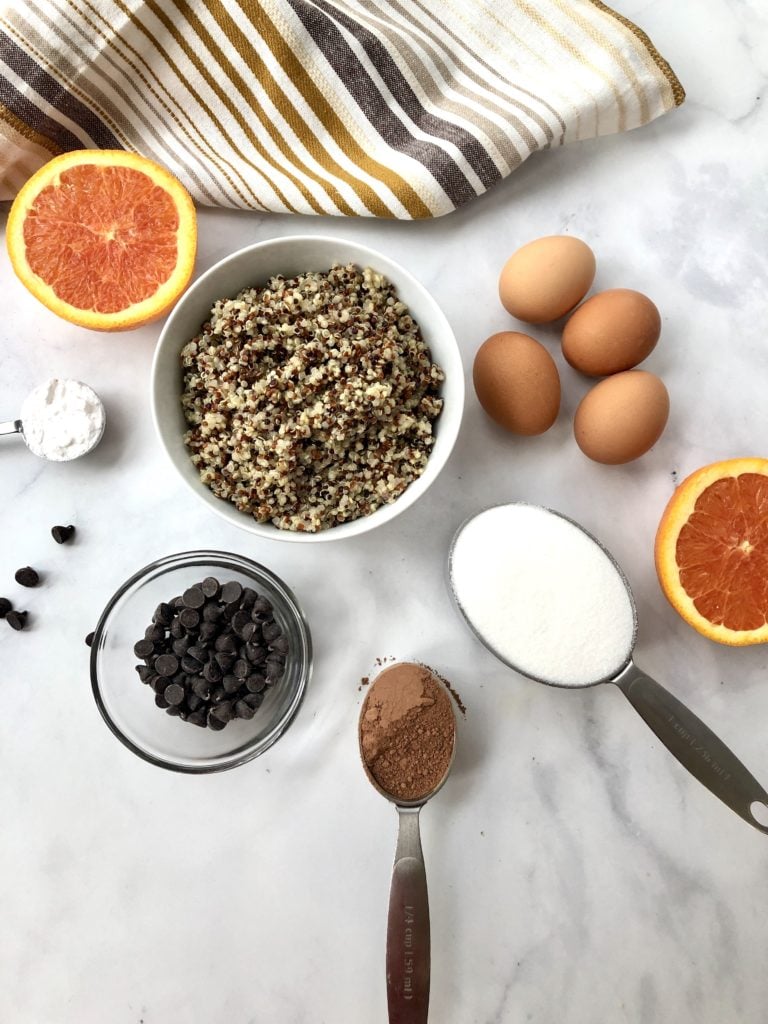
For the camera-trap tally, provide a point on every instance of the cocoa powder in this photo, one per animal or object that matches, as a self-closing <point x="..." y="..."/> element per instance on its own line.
<point x="407" y="731"/>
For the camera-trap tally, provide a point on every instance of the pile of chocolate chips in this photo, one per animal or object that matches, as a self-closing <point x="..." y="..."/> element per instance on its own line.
<point x="211" y="653"/>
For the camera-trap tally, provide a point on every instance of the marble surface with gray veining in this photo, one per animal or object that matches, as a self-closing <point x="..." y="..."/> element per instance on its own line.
<point x="578" y="875"/>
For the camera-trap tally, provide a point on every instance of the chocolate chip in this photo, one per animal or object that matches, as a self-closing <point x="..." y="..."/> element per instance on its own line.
<point x="210" y="586"/>
<point x="250" y="631"/>
<point x="163" y="614"/>
<point x="198" y="718"/>
<point x="224" y="712"/>
<point x="191" y="664"/>
<point x="176" y="629"/>
<point x="254" y="700"/>
<point x="189" y="618"/>
<point x="270" y="631"/>
<point x="154" y="633"/>
<point x="5" y="607"/>
<point x="226" y="643"/>
<point x="193" y="597"/>
<point x="174" y="693"/>
<point x="255" y="654"/>
<point x="212" y="612"/>
<point x="249" y="598"/>
<point x="161" y="701"/>
<point x="262" y="606"/>
<point x="173" y="710"/>
<point x="225" y="661"/>
<point x="16" y="620"/>
<point x="201" y="688"/>
<point x="89" y="639"/>
<point x="231" y="684"/>
<point x="166" y="665"/>
<point x="27" y="576"/>
<point x="208" y="630"/>
<point x="255" y="683"/>
<point x="213" y="672"/>
<point x="244" y="711"/>
<point x="241" y="668"/>
<point x="181" y="646"/>
<point x="143" y="648"/>
<point x="280" y="645"/>
<point x="231" y="592"/>
<point x="61" y="534"/>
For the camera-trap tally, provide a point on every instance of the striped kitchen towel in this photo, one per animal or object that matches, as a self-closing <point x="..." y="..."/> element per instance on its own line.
<point x="384" y="108"/>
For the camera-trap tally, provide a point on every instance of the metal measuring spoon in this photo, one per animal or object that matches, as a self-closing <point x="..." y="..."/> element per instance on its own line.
<point x="408" y="932"/>
<point x="687" y="738"/>
<point x="45" y="409"/>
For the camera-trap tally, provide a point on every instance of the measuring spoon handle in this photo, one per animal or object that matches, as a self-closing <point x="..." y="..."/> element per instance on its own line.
<point x="694" y="744"/>
<point x="10" y="427"/>
<point x="408" y="954"/>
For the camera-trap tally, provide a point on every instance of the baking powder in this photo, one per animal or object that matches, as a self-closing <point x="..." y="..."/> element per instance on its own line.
<point x="543" y="595"/>
<point x="62" y="419"/>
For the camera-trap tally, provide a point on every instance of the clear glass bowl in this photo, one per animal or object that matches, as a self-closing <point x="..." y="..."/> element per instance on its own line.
<point x="127" y="705"/>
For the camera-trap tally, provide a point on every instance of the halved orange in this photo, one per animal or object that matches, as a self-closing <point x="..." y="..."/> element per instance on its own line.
<point x="712" y="551"/>
<point x="104" y="238"/>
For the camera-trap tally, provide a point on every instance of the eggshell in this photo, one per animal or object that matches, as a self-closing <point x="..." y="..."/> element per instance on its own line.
<point x="612" y="331"/>
<point x="546" y="278"/>
<point x="621" y="417"/>
<point x="517" y="382"/>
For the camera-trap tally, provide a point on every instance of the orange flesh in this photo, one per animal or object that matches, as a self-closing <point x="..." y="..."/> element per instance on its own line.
<point x="722" y="552"/>
<point x="103" y="238"/>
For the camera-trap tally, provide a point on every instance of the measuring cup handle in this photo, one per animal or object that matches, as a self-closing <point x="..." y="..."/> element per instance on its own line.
<point x="408" y="954"/>
<point x="694" y="744"/>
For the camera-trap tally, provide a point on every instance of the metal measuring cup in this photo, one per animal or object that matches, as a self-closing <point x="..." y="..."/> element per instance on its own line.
<point x="686" y="737"/>
<point x="408" y="960"/>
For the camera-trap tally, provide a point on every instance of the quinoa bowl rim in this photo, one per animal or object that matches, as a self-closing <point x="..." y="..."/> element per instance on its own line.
<point x="292" y="255"/>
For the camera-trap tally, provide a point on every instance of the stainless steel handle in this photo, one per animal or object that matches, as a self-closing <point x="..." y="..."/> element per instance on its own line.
<point x="11" y="427"/>
<point x="408" y="956"/>
<point x="694" y="744"/>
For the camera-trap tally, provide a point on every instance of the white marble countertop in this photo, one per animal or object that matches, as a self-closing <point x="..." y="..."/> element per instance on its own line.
<point x="578" y="875"/>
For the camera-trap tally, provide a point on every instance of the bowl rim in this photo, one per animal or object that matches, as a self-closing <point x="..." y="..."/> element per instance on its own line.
<point x="179" y="560"/>
<point x="385" y="513"/>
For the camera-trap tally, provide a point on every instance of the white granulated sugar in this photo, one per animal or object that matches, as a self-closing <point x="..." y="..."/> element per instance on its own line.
<point x="62" y="419"/>
<point x="543" y="595"/>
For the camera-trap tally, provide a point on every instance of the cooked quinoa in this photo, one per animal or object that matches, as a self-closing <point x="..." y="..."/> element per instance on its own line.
<point x="310" y="401"/>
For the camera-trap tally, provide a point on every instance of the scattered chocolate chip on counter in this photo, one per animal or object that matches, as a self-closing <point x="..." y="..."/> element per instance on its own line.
<point x="16" y="620"/>
<point x="27" y="577"/>
<point x="212" y="653"/>
<point x="5" y="607"/>
<point x="89" y="639"/>
<point x="62" y="534"/>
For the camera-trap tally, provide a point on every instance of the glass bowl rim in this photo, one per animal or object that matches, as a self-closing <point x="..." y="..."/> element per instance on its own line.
<point x="249" y="567"/>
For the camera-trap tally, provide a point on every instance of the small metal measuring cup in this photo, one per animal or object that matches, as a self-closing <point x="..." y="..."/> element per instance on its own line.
<point x="408" y="931"/>
<point x="686" y="737"/>
<point x="17" y="427"/>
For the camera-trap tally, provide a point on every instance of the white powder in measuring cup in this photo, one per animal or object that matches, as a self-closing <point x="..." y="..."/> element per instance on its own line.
<point x="543" y="595"/>
<point x="62" y="419"/>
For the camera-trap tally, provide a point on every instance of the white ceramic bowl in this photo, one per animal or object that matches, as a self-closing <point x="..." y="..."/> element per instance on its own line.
<point x="289" y="256"/>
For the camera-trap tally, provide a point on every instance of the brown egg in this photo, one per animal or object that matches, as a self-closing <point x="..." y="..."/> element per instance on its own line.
<point x="517" y="382"/>
<point x="621" y="417"/>
<point x="611" y="332"/>
<point x="546" y="278"/>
